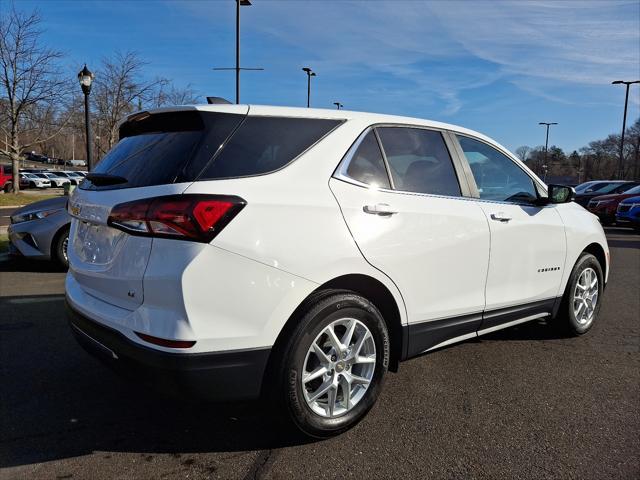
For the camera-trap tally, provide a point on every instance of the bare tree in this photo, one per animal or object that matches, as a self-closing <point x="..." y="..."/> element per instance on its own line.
<point x="31" y="87"/>
<point x="523" y="152"/>
<point x="120" y="89"/>
<point x="168" y="94"/>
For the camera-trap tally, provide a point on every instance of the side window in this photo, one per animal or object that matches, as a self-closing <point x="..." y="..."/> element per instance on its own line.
<point x="367" y="165"/>
<point x="497" y="176"/>
<point x="419" y="161"/>
<point x="265" y="144"/>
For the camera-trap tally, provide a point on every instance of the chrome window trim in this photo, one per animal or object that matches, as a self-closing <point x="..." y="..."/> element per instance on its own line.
<point x="458" y="166"/>
<point x="350" y="180"/>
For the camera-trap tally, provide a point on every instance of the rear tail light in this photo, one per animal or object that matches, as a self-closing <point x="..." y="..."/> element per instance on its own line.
<point x="184" y="217"/>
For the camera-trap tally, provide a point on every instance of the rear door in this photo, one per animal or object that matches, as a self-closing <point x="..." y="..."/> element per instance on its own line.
<point x="405" y="209"/>
<point x="528" y="244"/>
<point x="158" y="154"/>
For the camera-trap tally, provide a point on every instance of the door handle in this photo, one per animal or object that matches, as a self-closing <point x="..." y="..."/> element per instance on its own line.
<point x="381" y="209"/>
<point x="500" y="217"/>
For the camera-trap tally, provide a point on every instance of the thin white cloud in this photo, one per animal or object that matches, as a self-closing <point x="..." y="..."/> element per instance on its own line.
<point x="576" y="42"/>
<point x="443" y="49"/>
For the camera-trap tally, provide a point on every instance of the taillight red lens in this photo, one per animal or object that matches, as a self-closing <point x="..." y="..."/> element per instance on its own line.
<point x="184" y="217"/>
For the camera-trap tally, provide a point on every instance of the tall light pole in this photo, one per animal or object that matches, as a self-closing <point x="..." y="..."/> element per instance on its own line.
<point x="338" y="105"/>
<point x="546" y="146"/>
<point x="310" y="74"/>
<point x="624" y="125"/>
<point x="85" y="77"/>
<point x="237" y="68"/>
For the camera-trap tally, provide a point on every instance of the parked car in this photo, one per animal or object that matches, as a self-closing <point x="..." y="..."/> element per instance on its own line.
<point x="73" y="178"/>
<point x="56" y="180"/>
<point x="611" y="187"/>
<point x="40" y="230"/>
<point x="628" y="212"/>
<point x="78" y="163"/>
<point x="592" y="184"/>
<point x="313" y="252"/>
<point x="29" y="180"/>
<point x="605" y="206"/>
<point x="6" y="178"/>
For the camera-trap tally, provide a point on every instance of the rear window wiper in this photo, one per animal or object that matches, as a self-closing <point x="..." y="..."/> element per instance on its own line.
<point x="101" y="179"/>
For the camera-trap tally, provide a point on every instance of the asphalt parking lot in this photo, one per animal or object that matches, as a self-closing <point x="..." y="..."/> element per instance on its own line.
<point x="521" y="403"/>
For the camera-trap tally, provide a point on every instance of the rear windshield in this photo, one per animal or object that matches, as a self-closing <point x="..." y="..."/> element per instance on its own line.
<point x="187" y="146"/>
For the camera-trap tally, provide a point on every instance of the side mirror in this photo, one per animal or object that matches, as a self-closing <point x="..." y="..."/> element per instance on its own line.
<point x="560" y="193"/>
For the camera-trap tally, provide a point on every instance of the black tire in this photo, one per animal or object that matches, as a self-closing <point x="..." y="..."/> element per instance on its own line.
<point x="566" y="316"/>
<point x="32" y="185"/>
<point x="8" y="187"/>
<point x="58" y="251"/>
<point x="318" y="313"/>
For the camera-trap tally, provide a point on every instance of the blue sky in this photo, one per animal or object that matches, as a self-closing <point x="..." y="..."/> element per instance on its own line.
<point x="499" y="67"/>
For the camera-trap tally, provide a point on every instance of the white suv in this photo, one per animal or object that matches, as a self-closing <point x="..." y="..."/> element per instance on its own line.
<point x="234" y="251"/>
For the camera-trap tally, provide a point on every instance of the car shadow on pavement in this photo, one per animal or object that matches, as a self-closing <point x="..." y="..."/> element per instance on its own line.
<point x="543" y="329"/>
<point x="20" y="264"/>
<point x="56" y="401"/>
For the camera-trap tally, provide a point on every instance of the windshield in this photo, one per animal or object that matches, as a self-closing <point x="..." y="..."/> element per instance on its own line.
<point x="604" y="189"/>
<point x="635" y="190"/>
<point x="584" y="186"/>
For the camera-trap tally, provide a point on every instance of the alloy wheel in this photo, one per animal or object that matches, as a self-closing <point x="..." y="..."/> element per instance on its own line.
<point x="339" y="367"/>
<point x="585" y="296"/>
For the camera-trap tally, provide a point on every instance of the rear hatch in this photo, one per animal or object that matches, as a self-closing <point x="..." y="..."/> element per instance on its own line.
<point x="137" y="191"/>
<point x="158" y="154"/>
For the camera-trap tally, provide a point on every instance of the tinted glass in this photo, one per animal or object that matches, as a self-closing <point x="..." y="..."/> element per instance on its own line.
<point x="264" y="144"/>
<point x="419" y="161"/>
<point x="624" y="188"/>
<point x="633" y="191"/>
<point x="165" y="148"/>
<point x="367" y="165"/>
<point x="597" y="187"/>
<point x="497" y="176"/>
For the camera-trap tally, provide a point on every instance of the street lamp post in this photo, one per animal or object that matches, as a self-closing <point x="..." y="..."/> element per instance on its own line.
<point x="310" y="74"/>
<point x="624" y="125"/>
<point x="546" y="146"/>
<point x="338" y="105"/>
<point x="85" y="77"/>
<point x="237" y="68"/>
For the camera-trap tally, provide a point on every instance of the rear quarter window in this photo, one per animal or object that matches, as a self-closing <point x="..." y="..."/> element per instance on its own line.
<point x="265" y="144"/>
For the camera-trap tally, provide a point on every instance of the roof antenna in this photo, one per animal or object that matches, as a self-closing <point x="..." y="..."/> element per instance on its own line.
<point x="218" y="101"/>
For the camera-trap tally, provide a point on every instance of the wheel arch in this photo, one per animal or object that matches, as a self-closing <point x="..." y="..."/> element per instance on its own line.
<point x="56" y="237"/>
<point x="598" y="251"/>
<point x="370" y="288"/>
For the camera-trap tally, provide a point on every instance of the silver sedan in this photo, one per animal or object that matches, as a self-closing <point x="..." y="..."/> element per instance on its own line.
<point x="40" y="230"/>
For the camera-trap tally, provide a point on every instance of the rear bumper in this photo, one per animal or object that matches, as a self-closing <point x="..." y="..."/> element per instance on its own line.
<point x="220" y="376"/>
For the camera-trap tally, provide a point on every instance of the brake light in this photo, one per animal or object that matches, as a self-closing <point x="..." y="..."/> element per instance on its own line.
<point x="184" y="217"/>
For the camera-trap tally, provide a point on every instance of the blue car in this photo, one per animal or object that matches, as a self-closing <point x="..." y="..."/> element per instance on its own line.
<point x="628" y="213"/>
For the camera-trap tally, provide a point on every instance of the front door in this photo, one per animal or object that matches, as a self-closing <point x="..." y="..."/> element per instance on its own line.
<point x="528" y="245"/>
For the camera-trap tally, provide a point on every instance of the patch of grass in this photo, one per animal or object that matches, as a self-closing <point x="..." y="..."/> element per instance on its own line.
<point x="4" y="243"/>
<point x="10" y="199"/>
